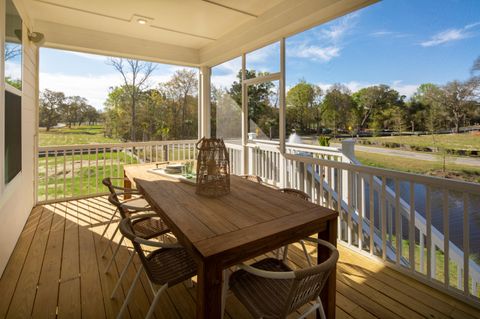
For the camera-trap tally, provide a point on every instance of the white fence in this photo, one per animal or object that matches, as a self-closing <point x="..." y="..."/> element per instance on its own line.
<point x="382" y="213"/>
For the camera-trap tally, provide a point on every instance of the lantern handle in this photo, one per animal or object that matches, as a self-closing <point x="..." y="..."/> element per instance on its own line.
<point x="198" y="142"/>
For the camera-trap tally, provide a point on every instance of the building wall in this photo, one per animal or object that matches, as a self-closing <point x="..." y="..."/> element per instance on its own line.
<point x="17" y="198"/>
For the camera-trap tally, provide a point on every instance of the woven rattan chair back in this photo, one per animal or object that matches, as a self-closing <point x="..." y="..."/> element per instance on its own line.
<point x="108" y="183"/>
<point x="253" y="178"/>
<point x="113" y="199"/>
<point x="295" y="192"/>
<point x="309" y="282"/>
<point x="126" y="228"/>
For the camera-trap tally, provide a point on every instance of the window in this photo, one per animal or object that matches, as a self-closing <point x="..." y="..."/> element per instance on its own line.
<point x="13" y="135"/>
<point x="13" y="96"/>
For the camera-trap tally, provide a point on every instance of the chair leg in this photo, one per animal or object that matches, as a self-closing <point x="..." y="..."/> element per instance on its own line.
<point x="110" y="263"/>
<point x="129" y="294"/>
<point x="226" y="279"/>
<point x="285" y="253"/>
<point x="124" y="271"/>
<point x="318" y="307"/>
<point x="155" y="301"/>
<point x="110" y="242"/>
<point x="309" y="260"/>
<point x="109" y="222"/>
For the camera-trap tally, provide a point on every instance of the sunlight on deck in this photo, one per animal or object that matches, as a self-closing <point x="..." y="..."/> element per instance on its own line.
<point x="57" y="269"/>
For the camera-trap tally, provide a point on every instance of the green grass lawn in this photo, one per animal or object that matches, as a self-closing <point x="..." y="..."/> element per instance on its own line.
<point x="79" y="173"/>
<point x="85" y="134"/>
<point x="462" y="172"/>
<point x="464" y="141"/>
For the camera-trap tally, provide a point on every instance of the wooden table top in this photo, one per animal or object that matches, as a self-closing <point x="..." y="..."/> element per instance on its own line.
<point x="252" y="214"/>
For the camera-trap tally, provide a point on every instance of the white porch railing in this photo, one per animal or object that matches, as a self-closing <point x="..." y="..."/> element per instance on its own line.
<point x="75" y="171"/>
<point x="417" y="224"/>
<point x="426" y="248"/>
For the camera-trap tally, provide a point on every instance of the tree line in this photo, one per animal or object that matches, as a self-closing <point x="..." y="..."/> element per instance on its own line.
<point x="337" y="110"/>
<point x="431" y="108"/>
<point x="56" y="107"/>
<point x="138" y="110"/>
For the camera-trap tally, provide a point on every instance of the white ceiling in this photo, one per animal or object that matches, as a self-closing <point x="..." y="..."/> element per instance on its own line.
<point x="188" y="23"/>
<point x="178" y="31"/>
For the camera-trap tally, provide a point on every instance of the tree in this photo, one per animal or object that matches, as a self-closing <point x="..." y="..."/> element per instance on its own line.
<point x="135" y="75"/>
<point x="303" y="106"/>
<point x="117" y="113"/>
<point x="430" y="97"/>
<point x="337" y="107"/>
<point x="371" y="101"/>
<point x="181" y="90"/>
<point x="459" y="99"/>
<point x="258" y="95"/>
<point x="91" y="114"/>
<point x="12" y="50"/>
<point x="72" y="111"/>
<point x="50" y="103"/>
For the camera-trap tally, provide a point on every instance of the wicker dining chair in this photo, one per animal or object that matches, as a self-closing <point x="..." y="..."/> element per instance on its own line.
<point x="145" y="226"/>
<point x="138" y="201"/>
<point x="165" y="267"/>
<point x="253" y="178"/>
<point x="254" y="286"/>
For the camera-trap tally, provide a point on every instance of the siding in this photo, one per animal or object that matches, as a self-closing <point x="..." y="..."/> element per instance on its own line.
<point x="17" y="200"/>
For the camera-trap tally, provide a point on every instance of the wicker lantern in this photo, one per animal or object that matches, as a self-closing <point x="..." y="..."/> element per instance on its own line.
<point x="213" y="168"/>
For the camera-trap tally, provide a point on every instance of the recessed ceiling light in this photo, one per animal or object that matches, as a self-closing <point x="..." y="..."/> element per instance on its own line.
<point x="141" y="21"/>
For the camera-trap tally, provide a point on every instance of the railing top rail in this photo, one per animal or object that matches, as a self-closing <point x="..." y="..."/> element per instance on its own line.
<point x="432" y="181"/>
<point x="109" y="145"/>
<point x="296" y="145"/>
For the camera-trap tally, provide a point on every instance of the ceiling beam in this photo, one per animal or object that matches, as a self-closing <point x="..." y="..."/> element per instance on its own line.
<point x="60" y="36"/>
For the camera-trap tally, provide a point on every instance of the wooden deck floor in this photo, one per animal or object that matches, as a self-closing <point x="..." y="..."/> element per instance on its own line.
<point x="57" y="270"/>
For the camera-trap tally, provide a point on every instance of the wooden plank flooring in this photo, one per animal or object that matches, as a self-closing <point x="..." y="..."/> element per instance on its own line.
<point x="57" y="271"/>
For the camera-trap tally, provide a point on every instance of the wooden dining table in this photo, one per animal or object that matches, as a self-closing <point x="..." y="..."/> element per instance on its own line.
<point x="251" y="220"/>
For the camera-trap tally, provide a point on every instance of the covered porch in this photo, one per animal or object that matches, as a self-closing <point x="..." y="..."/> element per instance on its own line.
<point x="398" y="258"/>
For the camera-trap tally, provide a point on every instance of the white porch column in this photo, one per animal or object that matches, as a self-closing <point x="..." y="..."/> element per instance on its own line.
<point x="204" y="113"/>
<point x="245" y="160"/>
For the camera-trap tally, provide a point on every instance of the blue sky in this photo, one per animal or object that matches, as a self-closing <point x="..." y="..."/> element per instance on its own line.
<point x="402" y="43"/>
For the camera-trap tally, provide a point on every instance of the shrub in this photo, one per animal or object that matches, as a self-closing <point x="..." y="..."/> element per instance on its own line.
<point x="324" y="140"/>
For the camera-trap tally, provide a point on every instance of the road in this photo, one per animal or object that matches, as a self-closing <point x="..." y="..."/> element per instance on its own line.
<point x="470" y="161"/>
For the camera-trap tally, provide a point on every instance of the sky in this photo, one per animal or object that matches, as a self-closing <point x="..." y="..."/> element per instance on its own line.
<point x="401" y="43"/>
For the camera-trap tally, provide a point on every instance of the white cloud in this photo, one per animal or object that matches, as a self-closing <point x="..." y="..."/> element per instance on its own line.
<point x="450" y="35"/>
<point x="13" y="70"/>
<point x="94" y="88"/>
<point x="386" y="33"/>
<point x="331" y="36"/>
<point x="335" y="31"/>
<point x="226" y="73"/>
<point x="316" y="53"/>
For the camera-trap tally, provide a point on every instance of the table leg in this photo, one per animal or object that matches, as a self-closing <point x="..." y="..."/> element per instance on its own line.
<point x="126" y="184"/>
<point x="209" y="290"/>
<point x="329" y="292"/>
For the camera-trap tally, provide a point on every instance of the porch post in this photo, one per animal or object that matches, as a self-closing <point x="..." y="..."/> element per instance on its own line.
<point x="282" y="121"/>
<point x="204" y="102"/>
<point x="245" y="150"/>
